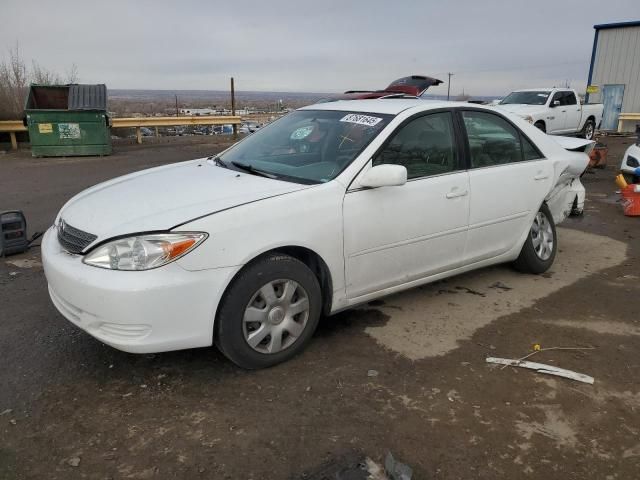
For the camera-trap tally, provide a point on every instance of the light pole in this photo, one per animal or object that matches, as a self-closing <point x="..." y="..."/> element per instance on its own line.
<point x="449" y="85"/>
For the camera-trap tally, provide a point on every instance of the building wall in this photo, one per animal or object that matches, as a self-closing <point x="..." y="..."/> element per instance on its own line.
<point x="617" y="61"/>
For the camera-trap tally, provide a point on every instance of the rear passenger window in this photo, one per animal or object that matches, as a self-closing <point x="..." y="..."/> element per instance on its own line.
<point x="425" y="146"/>
<point x="529" y="152"/>
<point x="492" y="140"/>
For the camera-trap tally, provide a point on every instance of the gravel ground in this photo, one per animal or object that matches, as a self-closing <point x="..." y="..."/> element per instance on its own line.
<point x="405" y="374"/>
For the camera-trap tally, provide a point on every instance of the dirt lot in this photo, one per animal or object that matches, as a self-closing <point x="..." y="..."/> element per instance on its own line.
<point x="406" y="374"/>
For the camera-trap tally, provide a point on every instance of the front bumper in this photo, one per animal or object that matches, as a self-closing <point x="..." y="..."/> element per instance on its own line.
<point x="157" y="310"/>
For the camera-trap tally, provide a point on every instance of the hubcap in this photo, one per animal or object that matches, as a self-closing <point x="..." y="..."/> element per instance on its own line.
<point x="542" y="236"/>
<point x="589" y="132"/>
<point x="276" y="316"/>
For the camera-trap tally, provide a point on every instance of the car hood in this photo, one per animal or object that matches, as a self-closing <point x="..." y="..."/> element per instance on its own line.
<point x="164" y="197"/>
<point x="522" y="109"/>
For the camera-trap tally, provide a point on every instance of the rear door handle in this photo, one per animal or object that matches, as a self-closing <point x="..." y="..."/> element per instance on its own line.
<point x="541" y="176"/>
<point x="456" y="193"/>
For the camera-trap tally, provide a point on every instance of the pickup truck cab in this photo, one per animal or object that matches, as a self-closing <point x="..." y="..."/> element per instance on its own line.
<point x="556" y="111"/>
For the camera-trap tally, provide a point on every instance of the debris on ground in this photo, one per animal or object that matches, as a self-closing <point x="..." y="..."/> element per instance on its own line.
<point x="74" y="461"/>
<point x="542" y="368"/>
<point x="372" y="373"/>
<point x="396" y="470"/>
<point x="500" y="286"/>
<point x="471" y="291"/>
<point x="5" y="412"/>
<point x="347" y="466"/>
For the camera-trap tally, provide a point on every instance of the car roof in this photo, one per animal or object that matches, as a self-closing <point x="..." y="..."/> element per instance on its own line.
<point x="546" y="89"/>
<point x="391" y="106"/>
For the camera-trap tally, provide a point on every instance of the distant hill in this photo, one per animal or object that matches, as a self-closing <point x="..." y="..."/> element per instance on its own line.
<point x="215" y="97"/>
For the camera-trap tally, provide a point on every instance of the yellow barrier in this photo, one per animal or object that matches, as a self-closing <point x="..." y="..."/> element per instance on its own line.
<point x="12" y="126"/>
<point x="138" y="122"/>
<point x="627" y="117"/>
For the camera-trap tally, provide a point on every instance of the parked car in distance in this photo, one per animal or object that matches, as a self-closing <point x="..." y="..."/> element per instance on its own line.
<point x="223" y="129"/>
<point x="332" y="206"/>
<point x="556" y="111"/>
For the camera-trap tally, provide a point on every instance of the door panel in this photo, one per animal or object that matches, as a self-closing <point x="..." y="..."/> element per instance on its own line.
<point x="508" y="181"/>
<point x="503" y="201"/>
<point x="612" y="96"/>
<point x="393" y="235"/>
<point x="574" y="113"/>
<point x="556" y="117"/>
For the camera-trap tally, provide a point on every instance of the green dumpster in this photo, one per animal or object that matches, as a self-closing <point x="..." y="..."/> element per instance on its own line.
<point x="68" y="120"/>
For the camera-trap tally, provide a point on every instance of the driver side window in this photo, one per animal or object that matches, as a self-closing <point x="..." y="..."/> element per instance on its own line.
<point x="425" y="146"/>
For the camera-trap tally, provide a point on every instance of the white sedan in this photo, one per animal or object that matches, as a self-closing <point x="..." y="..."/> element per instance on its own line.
<point x="331" y="206"/>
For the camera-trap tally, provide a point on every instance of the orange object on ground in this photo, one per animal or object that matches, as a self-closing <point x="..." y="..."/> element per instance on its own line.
<point x="621" y="182"/>
<point x="598" y="156"/>
<point x="631" y="201"/>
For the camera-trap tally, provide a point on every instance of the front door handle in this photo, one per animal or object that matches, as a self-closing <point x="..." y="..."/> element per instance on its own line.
<point x="541" y="176"/>
<point x="456" y="193"/>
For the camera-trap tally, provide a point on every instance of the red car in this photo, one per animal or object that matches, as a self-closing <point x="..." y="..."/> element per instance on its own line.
<point x="415" y="85"/>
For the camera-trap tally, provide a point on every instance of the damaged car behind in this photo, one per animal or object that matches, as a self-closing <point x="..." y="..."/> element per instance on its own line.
<point x="331" y="206"/>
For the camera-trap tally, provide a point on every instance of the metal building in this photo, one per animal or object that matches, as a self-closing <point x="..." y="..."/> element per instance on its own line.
<point x="614" y="74"/>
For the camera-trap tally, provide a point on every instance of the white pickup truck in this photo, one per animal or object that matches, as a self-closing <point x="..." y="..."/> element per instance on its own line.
<point x="556" y="111"/>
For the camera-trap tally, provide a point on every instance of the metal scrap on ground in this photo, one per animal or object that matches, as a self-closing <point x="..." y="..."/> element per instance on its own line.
<point x="543" y="368"/>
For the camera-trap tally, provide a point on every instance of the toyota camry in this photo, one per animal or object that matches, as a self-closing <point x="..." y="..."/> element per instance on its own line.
<point x="331" y="206"/>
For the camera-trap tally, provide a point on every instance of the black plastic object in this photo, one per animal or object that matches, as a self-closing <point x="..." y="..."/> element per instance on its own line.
<point x="13" y="233"/>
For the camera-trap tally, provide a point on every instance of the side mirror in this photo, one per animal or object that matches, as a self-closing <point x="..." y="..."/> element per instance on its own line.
<point x="554" y="104"/>
<point x="384" y="176"/>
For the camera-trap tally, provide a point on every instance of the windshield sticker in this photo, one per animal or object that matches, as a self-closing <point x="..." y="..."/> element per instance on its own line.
<point x="361" y="119"/>
<point x="301" y="132"/>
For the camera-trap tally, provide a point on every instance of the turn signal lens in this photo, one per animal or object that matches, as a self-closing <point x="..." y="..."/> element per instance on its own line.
<point x="144" y="252"/>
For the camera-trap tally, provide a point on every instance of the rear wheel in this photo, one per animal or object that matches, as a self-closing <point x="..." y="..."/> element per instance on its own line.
<point x="269" y="312"/>
<point x="539" y="250"/>
<point x="541" y="126"/>
<point x="589" y="129"/>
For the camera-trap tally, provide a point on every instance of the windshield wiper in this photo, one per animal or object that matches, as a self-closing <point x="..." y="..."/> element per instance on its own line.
<point x="251" y="169"/>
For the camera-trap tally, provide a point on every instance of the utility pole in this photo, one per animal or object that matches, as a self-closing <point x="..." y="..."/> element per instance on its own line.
<point x="233" y="109"/>
<point x="177" y="112"/>
<point x="449" y="85"/>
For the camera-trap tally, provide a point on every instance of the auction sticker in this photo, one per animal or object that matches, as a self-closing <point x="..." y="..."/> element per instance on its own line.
<point x="69" y="130"/>
<point x="45" y="128"/>
<point x="361" y="119"/>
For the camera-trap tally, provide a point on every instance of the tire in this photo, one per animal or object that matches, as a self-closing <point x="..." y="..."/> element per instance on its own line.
<point x="535" y="258"/>
<point x="589" y="129"/>
<point x="265" y="305"/>
<point x="540" y="126"/>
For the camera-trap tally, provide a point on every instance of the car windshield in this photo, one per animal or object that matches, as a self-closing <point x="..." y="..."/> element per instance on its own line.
<point x="526" y="98"/>
<point x="306" y="146"/>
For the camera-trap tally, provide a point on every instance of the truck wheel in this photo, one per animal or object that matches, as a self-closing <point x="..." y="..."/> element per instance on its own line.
<point x="269" y="312"/>
<point x="539" y="250"/>
<point x="540" y="126"/>
<point x="589" y="129"/>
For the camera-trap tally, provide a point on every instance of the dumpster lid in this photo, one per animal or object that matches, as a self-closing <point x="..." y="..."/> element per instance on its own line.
<point x="87" y="97"/>
<point x="67" y="97"/>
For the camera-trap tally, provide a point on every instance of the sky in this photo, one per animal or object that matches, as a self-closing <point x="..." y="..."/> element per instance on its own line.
<point x="492" y="47"/>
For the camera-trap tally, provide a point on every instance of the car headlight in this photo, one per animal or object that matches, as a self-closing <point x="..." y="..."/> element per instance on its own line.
<point x="144" y="252"/>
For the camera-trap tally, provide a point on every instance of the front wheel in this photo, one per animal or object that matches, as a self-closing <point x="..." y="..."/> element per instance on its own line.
<point x="589" y="129"/>
<point x="539" y="250"/>
<point x="269" y="312"/>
